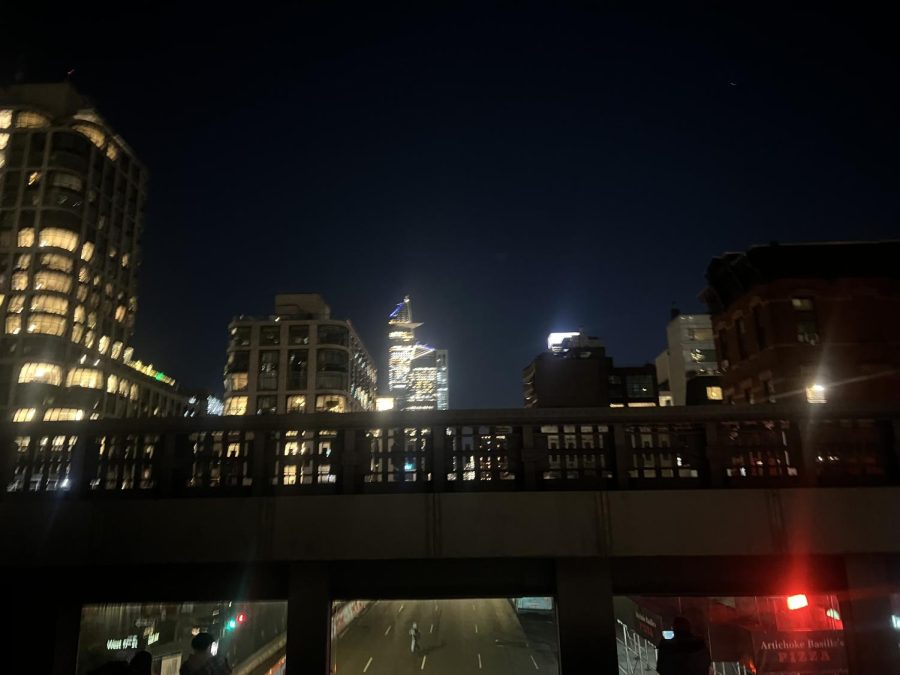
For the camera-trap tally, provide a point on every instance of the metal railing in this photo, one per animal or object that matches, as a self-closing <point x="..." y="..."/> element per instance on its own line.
<point x="456" y="451"/>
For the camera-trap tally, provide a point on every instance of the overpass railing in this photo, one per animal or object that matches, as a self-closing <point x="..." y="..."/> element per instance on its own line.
<point x="456" y="451"/>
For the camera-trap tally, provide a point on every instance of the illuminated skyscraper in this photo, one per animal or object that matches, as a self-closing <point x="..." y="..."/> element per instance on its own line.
<point x="417" y="373"/>
<point x="72" y="197"/>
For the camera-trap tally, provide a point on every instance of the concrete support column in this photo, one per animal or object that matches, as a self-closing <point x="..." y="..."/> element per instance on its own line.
<point x="586" y="621"/>
<point x="309" y="620"/>
<point x="866" y="612"/>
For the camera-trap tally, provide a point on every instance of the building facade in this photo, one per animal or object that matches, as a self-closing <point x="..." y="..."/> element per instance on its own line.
<point x="690" y="353"/>
<point x="297" y="360"/>
<point x="819" y="322"/>
<point x="72" y="197"/>
<point x="575" y="372"/>
<point x="418" y="374"/>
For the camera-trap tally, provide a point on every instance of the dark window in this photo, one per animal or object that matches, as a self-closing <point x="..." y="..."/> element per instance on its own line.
<point x="760" y="329"/>
<point x="741" y="338"/>
<point x="297" y="368"/>
<point x="722" y="345"/>
<point x="748" y="395"/>
<point x="266" y="405"/>
<point x="807" y="326"/>
<point x="327" y="380"/>
<point x="268" y="370"/>
<point x="240" y="336"/>
<point x="239" y="362"/>
<point x="270" y="335"/>
<point x="298" y="335"/>
<point x="332" y="360"/>
<point x="639" y="386"/>
<point x="769" y="389"/>
<point x="333" y="335"/>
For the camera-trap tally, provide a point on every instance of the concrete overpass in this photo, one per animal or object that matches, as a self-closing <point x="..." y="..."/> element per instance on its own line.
<point x="578" y="504"/>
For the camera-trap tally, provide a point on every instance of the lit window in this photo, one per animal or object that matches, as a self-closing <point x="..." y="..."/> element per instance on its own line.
<point x="237" y="381"/>
<point x="331" y="403"/>
<point x="112" y="152"/>
<point x="57" y="262"/>
<point x="16" y="304"/>
<point x="13" y="324"/>
<point x="123" y="387"/>
<point x="23" y="262"/>
<point x="93" y="134"/>
<point x="815" y="393"/>
<point x="103" y="345"/>
<point x="58" y="238"/>
<point x="714" y="393"/>
<point x="24" y="415"/>
<point x="79" y="314"/>
<point x="116" y="350"/>
<point x="90" y="378"/>
<point x="31" y="120"/>
<point x="125" y="258"/>
<point x="236" y="405"/>
<point x="52" y="281"/>
<point x="87" y="251"/>
<point x="296" y="404"/>
<point x="47" y="324"/>
<point x="25" y="237"/>
<point x="34" y="178"/>
<point x="19" y="281"/>
<point x="133" y="392"/>
<point x="89" y="338"/>
<point x="5" y="119"/>
<point x="84" y="275"/>
<point x="120" y="313"/>
<point x="290" y="475"/>
<point x="112" y="384"/>
<point x="63" y="415"/>
<point x="51" y="304"/>
<point x="4" y="141"/>
<point x="77" y="332"/>
<point x="92" y="320"/>
<point x="81" y="293"/>
<point x="47" y="373"/>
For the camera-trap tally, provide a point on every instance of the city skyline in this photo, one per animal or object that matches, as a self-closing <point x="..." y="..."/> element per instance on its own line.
<point x="508" y="173"/>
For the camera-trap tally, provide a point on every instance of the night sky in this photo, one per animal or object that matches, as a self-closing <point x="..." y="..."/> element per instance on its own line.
<point x="516" y="168"/>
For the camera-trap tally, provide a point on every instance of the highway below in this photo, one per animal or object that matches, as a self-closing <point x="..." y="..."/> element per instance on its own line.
<point x="456" y="636"/>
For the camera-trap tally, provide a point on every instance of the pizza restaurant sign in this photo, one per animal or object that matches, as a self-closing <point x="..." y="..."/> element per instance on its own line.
<point x="796" y="652"/>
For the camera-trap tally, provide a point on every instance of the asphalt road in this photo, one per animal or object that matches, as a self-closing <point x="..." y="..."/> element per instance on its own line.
<point x="456" y="636"/>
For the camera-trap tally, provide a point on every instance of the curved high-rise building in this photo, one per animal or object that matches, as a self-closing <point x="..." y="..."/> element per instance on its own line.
<point x="72" y="197"/>
<point x="417" y="373"/>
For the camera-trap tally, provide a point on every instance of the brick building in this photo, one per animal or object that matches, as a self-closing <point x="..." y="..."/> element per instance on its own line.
<point x="818" y="321"/>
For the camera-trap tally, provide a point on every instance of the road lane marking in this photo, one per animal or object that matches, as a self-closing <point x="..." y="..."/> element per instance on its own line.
<point x="432" y="628"/>
<point x="401" y="608"/>
<point x="422" y="667"/>
<point x="388" y="630"/>
<point x="536" y="667"/>
<point x="479" y="661"/>
<point x="368" y="663"/>
<point x="476" y="627"/>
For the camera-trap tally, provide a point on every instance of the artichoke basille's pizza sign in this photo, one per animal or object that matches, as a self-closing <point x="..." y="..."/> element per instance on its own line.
<point x="799" y="652"/>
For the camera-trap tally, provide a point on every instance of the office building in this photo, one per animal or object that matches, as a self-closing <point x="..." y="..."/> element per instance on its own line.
<point x="690" y="355"/>
<point x="72" y="197"/>
<point x="817" y="322"/>
<point x="575" y="372"/>
<point x="297" y="360"/>
<point x="418" y="374"/>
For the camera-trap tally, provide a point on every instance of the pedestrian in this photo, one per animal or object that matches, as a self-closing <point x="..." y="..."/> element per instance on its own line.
<point x="684" y="654"/>
<point x="142" y="663"/>
<point x="414" y="638"/>
<point x="202" y="661"/>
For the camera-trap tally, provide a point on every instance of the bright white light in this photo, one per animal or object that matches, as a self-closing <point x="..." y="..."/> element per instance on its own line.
<point x="815" y="393"/>
<point x="895" y="621"/>
<point x="384" y="403"/>
<point x="554" y="340"/>
<point x="797" y="602"/>
<point x="818" y="388"/>
<point x="832" y="613"/>
<point x="214" y="649"/>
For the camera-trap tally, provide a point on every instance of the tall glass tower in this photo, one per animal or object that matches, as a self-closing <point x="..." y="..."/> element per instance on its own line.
<point x="417" y="373"/>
